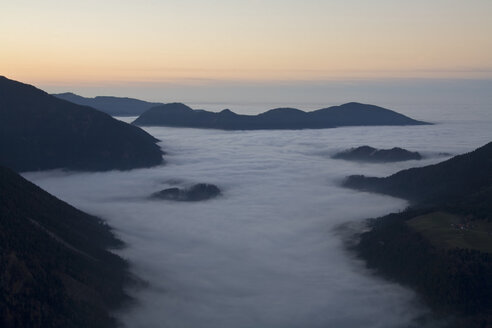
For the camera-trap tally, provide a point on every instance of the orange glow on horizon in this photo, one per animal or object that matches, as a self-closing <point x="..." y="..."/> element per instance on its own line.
<point x="189" y="42"/>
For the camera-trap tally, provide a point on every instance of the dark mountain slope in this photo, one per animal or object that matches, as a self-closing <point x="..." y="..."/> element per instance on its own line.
<point x="452" y="180"/>
<point x="454" y="281"/>
<point x="115" y="106"/>
<point x="441" y="246"/>
<point x="39" y="132"/>
<point x="180" y="115"/>
<point x="55" y="270"/>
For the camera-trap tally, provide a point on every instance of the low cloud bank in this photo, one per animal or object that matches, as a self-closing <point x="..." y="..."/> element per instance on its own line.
<point x="267" y="253"/>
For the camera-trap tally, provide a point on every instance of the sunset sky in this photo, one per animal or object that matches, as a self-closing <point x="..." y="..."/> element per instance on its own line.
<point x="91" y="43"/>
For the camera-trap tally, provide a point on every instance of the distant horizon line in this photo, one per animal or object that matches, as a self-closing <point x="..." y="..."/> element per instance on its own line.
<point x="484" y="74"/>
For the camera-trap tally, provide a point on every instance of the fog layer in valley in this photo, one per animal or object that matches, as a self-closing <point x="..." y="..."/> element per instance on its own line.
<point x="268" y="252"/>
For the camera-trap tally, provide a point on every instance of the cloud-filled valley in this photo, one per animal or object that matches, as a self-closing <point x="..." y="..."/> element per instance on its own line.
<point x="269" y="251"/>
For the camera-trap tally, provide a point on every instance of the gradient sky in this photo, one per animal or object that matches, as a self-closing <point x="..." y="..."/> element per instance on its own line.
<point x="189" y="42"/>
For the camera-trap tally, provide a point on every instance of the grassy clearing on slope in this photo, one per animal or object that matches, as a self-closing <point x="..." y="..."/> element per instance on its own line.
<point x="449" y="231"/>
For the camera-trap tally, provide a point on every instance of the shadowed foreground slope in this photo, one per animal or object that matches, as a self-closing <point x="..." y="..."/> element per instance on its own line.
<point x="441" y="246"/>
<point x="40" y="132"/>
<point x="55" y="270"/>
<point x="350" y="114"/>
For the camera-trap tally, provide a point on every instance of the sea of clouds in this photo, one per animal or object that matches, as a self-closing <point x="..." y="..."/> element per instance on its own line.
<point x="270" y="251"/>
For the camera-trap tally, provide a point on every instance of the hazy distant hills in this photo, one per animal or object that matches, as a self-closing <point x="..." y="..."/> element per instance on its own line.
<point x="115" y="106"/>
<point x="39" y="132"/>
<point x="371" y="154"/>
<point x="55" y="270"/>
<point x="350" y="114"/>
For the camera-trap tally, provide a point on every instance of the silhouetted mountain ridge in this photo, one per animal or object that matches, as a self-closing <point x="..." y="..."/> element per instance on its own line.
<point x="115" y="106"/>
<point x="40" y="132"/>
<point x="350" y="114"/>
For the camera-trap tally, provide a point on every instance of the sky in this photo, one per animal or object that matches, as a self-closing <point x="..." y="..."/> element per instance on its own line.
<point x="120" y="45"/>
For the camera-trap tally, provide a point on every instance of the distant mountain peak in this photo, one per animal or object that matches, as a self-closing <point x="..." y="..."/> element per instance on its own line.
<point x="66" y="94"/>
<point x="176" y="105"/>
<point x="284" y="110"/>
<point x="227" y="111"/>
<point x="350" y="114"/>
<point x="353" y="103"/>
<point x="112" y="105"/>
